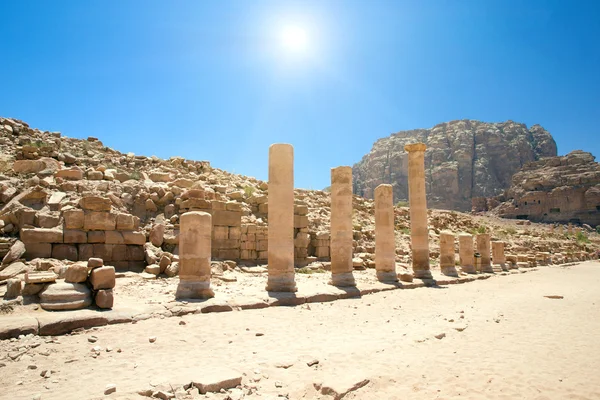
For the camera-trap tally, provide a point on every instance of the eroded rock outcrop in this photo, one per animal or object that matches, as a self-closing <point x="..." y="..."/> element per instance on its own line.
<point x="464" y="159"/>
<point x="558" y="189"/>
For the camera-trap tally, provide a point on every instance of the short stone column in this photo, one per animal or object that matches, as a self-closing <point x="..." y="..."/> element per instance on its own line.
<point x="483" y="248"/>
<point x="419" y="233"/>
<point x="194" y="256"/>
<point x="447" y="254"/>
<point x="466" y="253"/>
<point x="281" y="219"/>
<point x="341" y="227"/>
<point x="498" y="258"/>
<point x="385" y="242"/>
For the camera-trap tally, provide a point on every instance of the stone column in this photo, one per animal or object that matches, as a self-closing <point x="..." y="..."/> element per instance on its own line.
<point x="385" y="242"/>
<point x="483" y="248"/>
<point x="466" y="253"/>
<point x="281" y="219"/>
<point x="419" y="233"/>
<point x="498" y="257"/>
<point x="341" y="227"/>
<point x="447" y="254"/>
<point x="194" y="256"/>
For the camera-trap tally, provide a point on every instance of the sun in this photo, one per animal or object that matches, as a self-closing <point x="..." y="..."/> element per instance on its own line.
<point x="294" y="39"/>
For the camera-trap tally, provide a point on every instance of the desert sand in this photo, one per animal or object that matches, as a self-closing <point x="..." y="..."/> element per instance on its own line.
<point x="497" y="338"/>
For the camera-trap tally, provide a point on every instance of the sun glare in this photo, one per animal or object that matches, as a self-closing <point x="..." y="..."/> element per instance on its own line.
<point x="294" y="39"/>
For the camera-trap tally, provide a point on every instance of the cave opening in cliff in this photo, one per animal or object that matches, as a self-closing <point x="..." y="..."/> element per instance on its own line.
<point x="554" y="210"/>
<point x="522" y="216"/>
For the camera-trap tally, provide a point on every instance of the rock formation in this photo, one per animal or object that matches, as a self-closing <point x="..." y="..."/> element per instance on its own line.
<point x="558" y="189"/>
<point x="464" y="159"/>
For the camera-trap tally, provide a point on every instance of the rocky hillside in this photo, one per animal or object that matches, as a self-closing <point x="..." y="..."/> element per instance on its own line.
<point x="558" y="189"/>
<point x="68" y="200"/>
<point x="464" y="159"/>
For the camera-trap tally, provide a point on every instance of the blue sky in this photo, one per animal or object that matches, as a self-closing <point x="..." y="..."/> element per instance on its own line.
<point x="211" y="80"/>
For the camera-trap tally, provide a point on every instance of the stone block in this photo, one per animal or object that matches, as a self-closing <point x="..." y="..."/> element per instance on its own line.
<point x="262" y="245"/>
<point x="40" y="277"/>
<point x="86" y="251"/>
<point x="119" y="252"/>
<point x="26" y="217"/>
<point x="250" y="229"/>
<point x="248" y="245"/>
<point x="226" y="218"/>
<point x="322" y="252"/>
<point x="103" y="278"/>
<point x="114" y="237"/>
<point x="14" y="288"/>
<point x="300" y="209"/>
<point x="228" y="254"/>
<point x="235" y="232"/>
<point x="73" y="219"/>
<point x="217" y="379"/>
<point x="104" y="298"/>
<point x="41" y="235"/>
<point x="38" y="250"/>
<point x="94" y="262"/>
<point x="300" y="221"/>
<point x="262" y="255"/>
<point x="72" y="174"/>
<point x="225" y="244"/>
<point x="95" y="203"/>
<point x="76" y="273"/>
<point x="233" y="206"/>
<point x="96" y="237"/>
<point x="47" y="220"/>
<point x="103" y="251"/>
<point x="100" y="221"/>
<point x="196" y="204"/>
<point x="65" y="252"/>
<point x="263" y="208"/>
<point x="220" y="232"/>
<point x="218" y="205"/>
<point x="135" y="253"/>
<point x="138" y="238"/>
<point x="126" y="222"/>
<point x="74" y="236"/>
<point x="28" y="166"/>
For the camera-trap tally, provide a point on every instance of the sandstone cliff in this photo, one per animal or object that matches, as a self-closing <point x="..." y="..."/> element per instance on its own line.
<point x="464" y="159"/>
<point x="558" y="189"/>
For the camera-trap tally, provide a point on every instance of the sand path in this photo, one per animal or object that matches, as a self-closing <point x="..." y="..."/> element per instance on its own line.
<point x="503" y="340"/>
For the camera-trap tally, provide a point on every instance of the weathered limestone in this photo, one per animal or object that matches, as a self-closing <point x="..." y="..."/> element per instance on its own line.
<point x="466" y="253"/>
<point x="385" y="243"/>
<point x="341" y="227"/>
<point x="498" y="257"/>
<point x="419" y="233"/>
<point x="281" y="219"/>
<point x="447" y="254"/>
<point x="194" y="256"/>
<point x="483" y="248"/>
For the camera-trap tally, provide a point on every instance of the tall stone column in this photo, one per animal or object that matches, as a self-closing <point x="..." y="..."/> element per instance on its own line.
<point x="466" y="253"/>
<point x="498" y="257"/>
<point x="419" y="233"/>
<point x="483" y="248"/>
<point x="385" y="242"/>
<point x="281" y="219"/>
<point x="447" y="254"/>
<point x="341" y="227"/>
<point x="194" y="256"/>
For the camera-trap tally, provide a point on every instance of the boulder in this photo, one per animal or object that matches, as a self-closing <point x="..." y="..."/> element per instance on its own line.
<point x="104" y="298"/>
<point x="65" y="296"/>
<point x="13" y="269"/>
<point x="76" y="273"/>
<point x="17" y="250"/>
<point x="103" y="278"/>
<point x="157" y="234"/>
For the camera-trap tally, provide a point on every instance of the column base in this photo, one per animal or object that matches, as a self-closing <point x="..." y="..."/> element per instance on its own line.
<point x="422" y="274"/>
<point x="450" y="271"/>
<point x="344" y="279"/>
<point x="194" y="290"/>
<point x="281" y="284"/>
<point x="387" y="276"/>
<point x="499" y="267"/>
<point x="468" y="269"/>
<point x="487" y="269"/>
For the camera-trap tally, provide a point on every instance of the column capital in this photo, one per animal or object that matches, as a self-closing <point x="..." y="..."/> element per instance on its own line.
<point x="415" y="147"/>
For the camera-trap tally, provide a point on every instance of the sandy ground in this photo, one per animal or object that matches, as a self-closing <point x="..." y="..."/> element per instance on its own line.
<point x="503" y="340"/>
